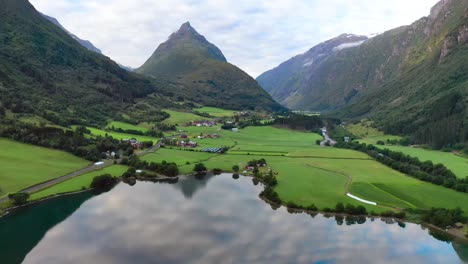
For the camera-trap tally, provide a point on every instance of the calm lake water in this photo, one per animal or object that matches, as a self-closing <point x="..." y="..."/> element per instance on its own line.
<point x="214" y="220"/>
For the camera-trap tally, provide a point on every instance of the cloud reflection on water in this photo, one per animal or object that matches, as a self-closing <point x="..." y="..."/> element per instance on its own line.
<point x="224" y="223"/>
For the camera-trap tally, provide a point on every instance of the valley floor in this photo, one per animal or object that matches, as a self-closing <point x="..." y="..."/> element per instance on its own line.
<point x="306" y="173"/>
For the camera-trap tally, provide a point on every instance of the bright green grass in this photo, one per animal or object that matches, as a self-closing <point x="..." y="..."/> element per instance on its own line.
<point x="218" y="112"/>
<point x="363" y="129"/>
<point x="79" y="182"/>
<point x="181" y="118"/>
<point x="117" y="135"/>
<point x="456" y="164"/>
<point x="180" y="157"/>
<point x="411" y="191"/>
<point x="263" y="139"/>
<point x="126" y="126"/>
<point x="373" y="140"/>
<point x="23" y="165"/>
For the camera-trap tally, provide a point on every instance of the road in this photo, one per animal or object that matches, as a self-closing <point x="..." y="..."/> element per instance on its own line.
<point x="326" y="138"/>
<point x="91" y="168"/>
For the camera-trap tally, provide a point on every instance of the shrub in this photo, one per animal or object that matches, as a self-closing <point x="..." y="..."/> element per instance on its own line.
<point x="339" y="208"/>
<point x="199" y="167"/>
<point x="103" y="182"/>
<point x="19" y="198"/>
<point x="312" y="207"/>
<point x="235" y="168"/>
<point x="217" y="171"/>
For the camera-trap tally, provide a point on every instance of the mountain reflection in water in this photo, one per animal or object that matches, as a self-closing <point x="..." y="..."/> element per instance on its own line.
<point x="222" y="220"/>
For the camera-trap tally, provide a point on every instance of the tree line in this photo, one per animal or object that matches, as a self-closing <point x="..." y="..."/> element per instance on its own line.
<point x="73" y="141"/>
<point x="426" y="171"/>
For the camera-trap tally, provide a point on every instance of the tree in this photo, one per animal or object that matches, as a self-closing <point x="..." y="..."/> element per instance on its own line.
<point x="199" y="167"/>
<point x="235" y="168"/>
<point x="255" y="170"/>
<point x="103" y="182"/>
<point x="19" y="198"/>
<point x="339" y="208"/>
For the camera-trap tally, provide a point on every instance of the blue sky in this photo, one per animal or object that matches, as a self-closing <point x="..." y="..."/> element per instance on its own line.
<point x="254" y="35"/>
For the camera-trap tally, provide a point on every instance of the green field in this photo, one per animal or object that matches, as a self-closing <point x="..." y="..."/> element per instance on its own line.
<point x="181" y="118"/>
<point x="312" y="174"/>
<point x="364" y="129"/>
<point x="80" y="182"/>
<point x="117" y="135"/>
<point x="126" y="126"/>
<point x="218" y="112"/>
<point x="180" y="157"/>
<point x="456" y="164"/>
<point x="23" y="165"/>
<point x="307" y="173"/>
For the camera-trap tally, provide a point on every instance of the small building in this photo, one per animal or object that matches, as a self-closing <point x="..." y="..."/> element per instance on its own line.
<point x="235" y="129"/>
<point x="347" y="139"/>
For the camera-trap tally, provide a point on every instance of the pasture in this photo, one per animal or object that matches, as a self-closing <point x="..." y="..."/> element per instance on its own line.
<point x="78" y="183"/>
<point x="214" y="111"/>
<point x="24" y="165"/>
<point x="181" y="118"/>
<point x="125" y="126"/>
<point x="120" y="136"/>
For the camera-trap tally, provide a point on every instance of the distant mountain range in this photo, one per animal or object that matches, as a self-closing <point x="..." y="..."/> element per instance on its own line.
<point x="409" y="80"/>
<point x="288" y="82"/>
<point x="198" y="71"/>
<point x="46" y="72"/>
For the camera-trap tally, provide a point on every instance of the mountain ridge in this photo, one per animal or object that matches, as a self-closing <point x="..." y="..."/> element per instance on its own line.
<point x="199" y="70"/>
<point x="386" y="78"/>
<point x="85" y="43"/>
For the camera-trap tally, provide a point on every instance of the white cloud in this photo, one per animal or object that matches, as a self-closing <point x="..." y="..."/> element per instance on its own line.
<point x="254" y="35"/>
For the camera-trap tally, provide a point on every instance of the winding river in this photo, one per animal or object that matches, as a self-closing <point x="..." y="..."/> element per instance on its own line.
<point x="216" y="219"/>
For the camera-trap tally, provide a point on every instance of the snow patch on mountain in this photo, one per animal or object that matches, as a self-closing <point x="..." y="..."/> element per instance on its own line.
<point x="348" y="45"/>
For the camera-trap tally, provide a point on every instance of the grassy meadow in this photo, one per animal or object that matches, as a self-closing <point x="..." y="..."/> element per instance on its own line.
<point x="214" y="111"/>
<point x="312" y="174"/>
<point x="24" y="165"/>
<point x="181" y="118"/>
<point x="370" y="135"/>
<point x="78" y="183"/>
<point x="126" y="126"/>
<point x="117" y="135"/>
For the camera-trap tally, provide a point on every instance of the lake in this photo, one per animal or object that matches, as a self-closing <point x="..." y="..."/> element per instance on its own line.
<point x="216" y="219"/>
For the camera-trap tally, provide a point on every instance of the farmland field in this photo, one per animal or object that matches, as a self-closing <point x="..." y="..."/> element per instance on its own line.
<point x="181" y="118"/>
<point x="180" y="157"/>
<point x="117" y="135"/>
<point x="23" y="165"/>
<point x="79" y="182"/>
<point x="457" y="164"/>
<point x="126" y="126"/>
<point x="312" y="174"/>
<point x="218" y="112"/>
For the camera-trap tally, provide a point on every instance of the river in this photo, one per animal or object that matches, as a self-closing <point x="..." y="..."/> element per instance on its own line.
<point x="216" y="219"/>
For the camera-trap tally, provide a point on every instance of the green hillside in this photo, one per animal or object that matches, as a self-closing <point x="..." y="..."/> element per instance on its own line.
<point x="43" y="71"/>
<point x="411" y="80"/>
<point x="198" y="71"/>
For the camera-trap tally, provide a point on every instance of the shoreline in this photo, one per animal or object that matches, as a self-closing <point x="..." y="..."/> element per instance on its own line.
<point x="453" y="233"/>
